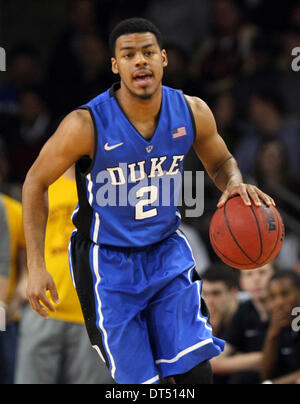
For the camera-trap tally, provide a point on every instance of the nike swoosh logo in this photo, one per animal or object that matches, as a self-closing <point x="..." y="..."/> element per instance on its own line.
<point x="108" y="148"/>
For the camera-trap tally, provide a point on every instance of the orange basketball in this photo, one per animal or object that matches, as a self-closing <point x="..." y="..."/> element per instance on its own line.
<point x="246" y="237"/>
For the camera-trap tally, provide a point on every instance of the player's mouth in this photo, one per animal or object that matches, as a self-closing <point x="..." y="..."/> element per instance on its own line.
<point x="143" y="78"/>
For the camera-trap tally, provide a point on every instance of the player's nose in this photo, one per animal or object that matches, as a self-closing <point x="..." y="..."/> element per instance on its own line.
<point x="140" y="59"/>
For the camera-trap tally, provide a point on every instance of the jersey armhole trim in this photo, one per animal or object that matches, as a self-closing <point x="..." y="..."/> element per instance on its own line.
<point x="93" y="160"/>
<point x="192" y="117"/>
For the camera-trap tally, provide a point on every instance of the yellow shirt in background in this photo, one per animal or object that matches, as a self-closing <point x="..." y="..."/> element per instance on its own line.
<point x="13" y="210"/>
<point x="62" y="202"/>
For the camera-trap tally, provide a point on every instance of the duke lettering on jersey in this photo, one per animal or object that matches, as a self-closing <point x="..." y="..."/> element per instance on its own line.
<point x="138" y="173"/>
<point x="143" y="172"/>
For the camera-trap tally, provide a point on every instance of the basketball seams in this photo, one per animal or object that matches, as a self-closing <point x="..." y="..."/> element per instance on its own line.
<point x="234" y="238"/>
<point x="228" y="259"/>
<point x="259" y="233"/>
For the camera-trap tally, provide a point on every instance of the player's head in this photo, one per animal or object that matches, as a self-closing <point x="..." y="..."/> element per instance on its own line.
<point x="220" y="288"/>
<point x="284" y="291"/>
<point x="256" y="281"/>
<point x="138" y="57"/>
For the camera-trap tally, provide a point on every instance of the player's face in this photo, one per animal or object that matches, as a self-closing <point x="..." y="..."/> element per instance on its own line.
<point x="140" y="63"/>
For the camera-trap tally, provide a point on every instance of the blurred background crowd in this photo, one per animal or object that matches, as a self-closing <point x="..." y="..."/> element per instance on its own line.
<point x="236" y="55"/>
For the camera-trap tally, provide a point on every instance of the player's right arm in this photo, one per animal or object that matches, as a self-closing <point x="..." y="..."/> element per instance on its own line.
<point x="73" y="139"/>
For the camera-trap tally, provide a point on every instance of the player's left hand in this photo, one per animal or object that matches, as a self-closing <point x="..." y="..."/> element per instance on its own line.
<point x="249" y="194"/>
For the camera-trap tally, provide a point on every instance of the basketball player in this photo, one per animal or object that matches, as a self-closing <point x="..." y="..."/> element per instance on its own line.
<point x="133" y="269"/>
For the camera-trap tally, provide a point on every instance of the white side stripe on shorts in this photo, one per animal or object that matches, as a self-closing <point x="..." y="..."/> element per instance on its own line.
<point x="99" y="352"/>
<point x="186" y="351"/>
<point x="204" y="320"/>
<point x="151" y="381"/>
<point x="99" y="306"/>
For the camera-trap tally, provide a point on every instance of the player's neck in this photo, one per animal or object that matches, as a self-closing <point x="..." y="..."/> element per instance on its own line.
<point x="138" y="109"/>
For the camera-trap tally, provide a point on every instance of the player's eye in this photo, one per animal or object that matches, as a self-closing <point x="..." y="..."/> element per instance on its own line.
<point x="148" y="53"/>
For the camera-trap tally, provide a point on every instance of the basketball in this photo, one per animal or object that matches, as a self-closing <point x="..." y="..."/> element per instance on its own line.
<point x="246" y="237"/>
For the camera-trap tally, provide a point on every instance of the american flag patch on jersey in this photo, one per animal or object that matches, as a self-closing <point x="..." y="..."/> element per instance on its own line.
<point x="179" y="132"/>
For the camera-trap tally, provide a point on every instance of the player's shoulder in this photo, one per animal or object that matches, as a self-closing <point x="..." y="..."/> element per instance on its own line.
<point x="199" y="106"/>
<point x="79" y="120"/>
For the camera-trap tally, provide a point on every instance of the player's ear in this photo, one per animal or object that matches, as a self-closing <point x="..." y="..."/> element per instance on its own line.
<point x="164" y="58"/>
<point x="114" y="66"/>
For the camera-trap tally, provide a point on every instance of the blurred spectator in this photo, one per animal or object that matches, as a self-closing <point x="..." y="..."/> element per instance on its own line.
<point x="95" y="73"/>
<point x="171" y="17"/>
<point x="26" y="135"/>
<point x="229" y="127"/>
<point x="273" y="172"/>
<point x="176" y="72"/>
<point x="260" y="70"/>
<point x="12" y="189"/>
<point x="220" y="292"/>
<point x="223" y="54"/>
<point x="12" y="268"/>
<point x="281" y="355"/>
<point x="24" y="71"/>
<point x="246" y="333"/>
<point x="57" y="349"/>
<point x="273" y="175"/>
<point x="267" y="121"/>
<point x="64" y="66"/>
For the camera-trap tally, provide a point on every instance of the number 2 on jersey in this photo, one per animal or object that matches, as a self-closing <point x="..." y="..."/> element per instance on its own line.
<point x="140" y="214"/>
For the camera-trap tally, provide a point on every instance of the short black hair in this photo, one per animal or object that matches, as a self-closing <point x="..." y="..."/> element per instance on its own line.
<point x="293" y="276"/>
<point x="222" y="273"/>
<point x="132" y="26"/>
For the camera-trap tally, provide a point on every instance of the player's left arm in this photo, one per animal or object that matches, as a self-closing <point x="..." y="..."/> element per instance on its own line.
<point x="219" y="163"/>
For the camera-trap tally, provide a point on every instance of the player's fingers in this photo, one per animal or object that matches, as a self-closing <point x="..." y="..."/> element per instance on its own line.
<point x="223" y="199"/>
<point x="242" y="191"/>
<point x="266" y="198"/>
<point x="254" y="195"/>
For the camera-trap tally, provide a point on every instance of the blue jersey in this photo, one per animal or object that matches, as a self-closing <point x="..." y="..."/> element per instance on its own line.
<point x="128" y="193"/>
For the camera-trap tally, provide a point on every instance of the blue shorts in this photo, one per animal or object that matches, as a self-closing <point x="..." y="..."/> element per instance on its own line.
<point x="142" y="307"/>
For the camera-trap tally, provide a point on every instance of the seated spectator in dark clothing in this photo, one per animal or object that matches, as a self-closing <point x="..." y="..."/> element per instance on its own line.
<point x="246" y="332"/>
<point x="225" y="111"/>
<point x="267" y="122"/>
<point x="220" y="292"/>
<point x="281" y="355"/>
<point x="273" y="174"/>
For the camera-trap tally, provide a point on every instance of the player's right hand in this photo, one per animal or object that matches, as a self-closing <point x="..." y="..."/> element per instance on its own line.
<point x="39" y="282"/>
